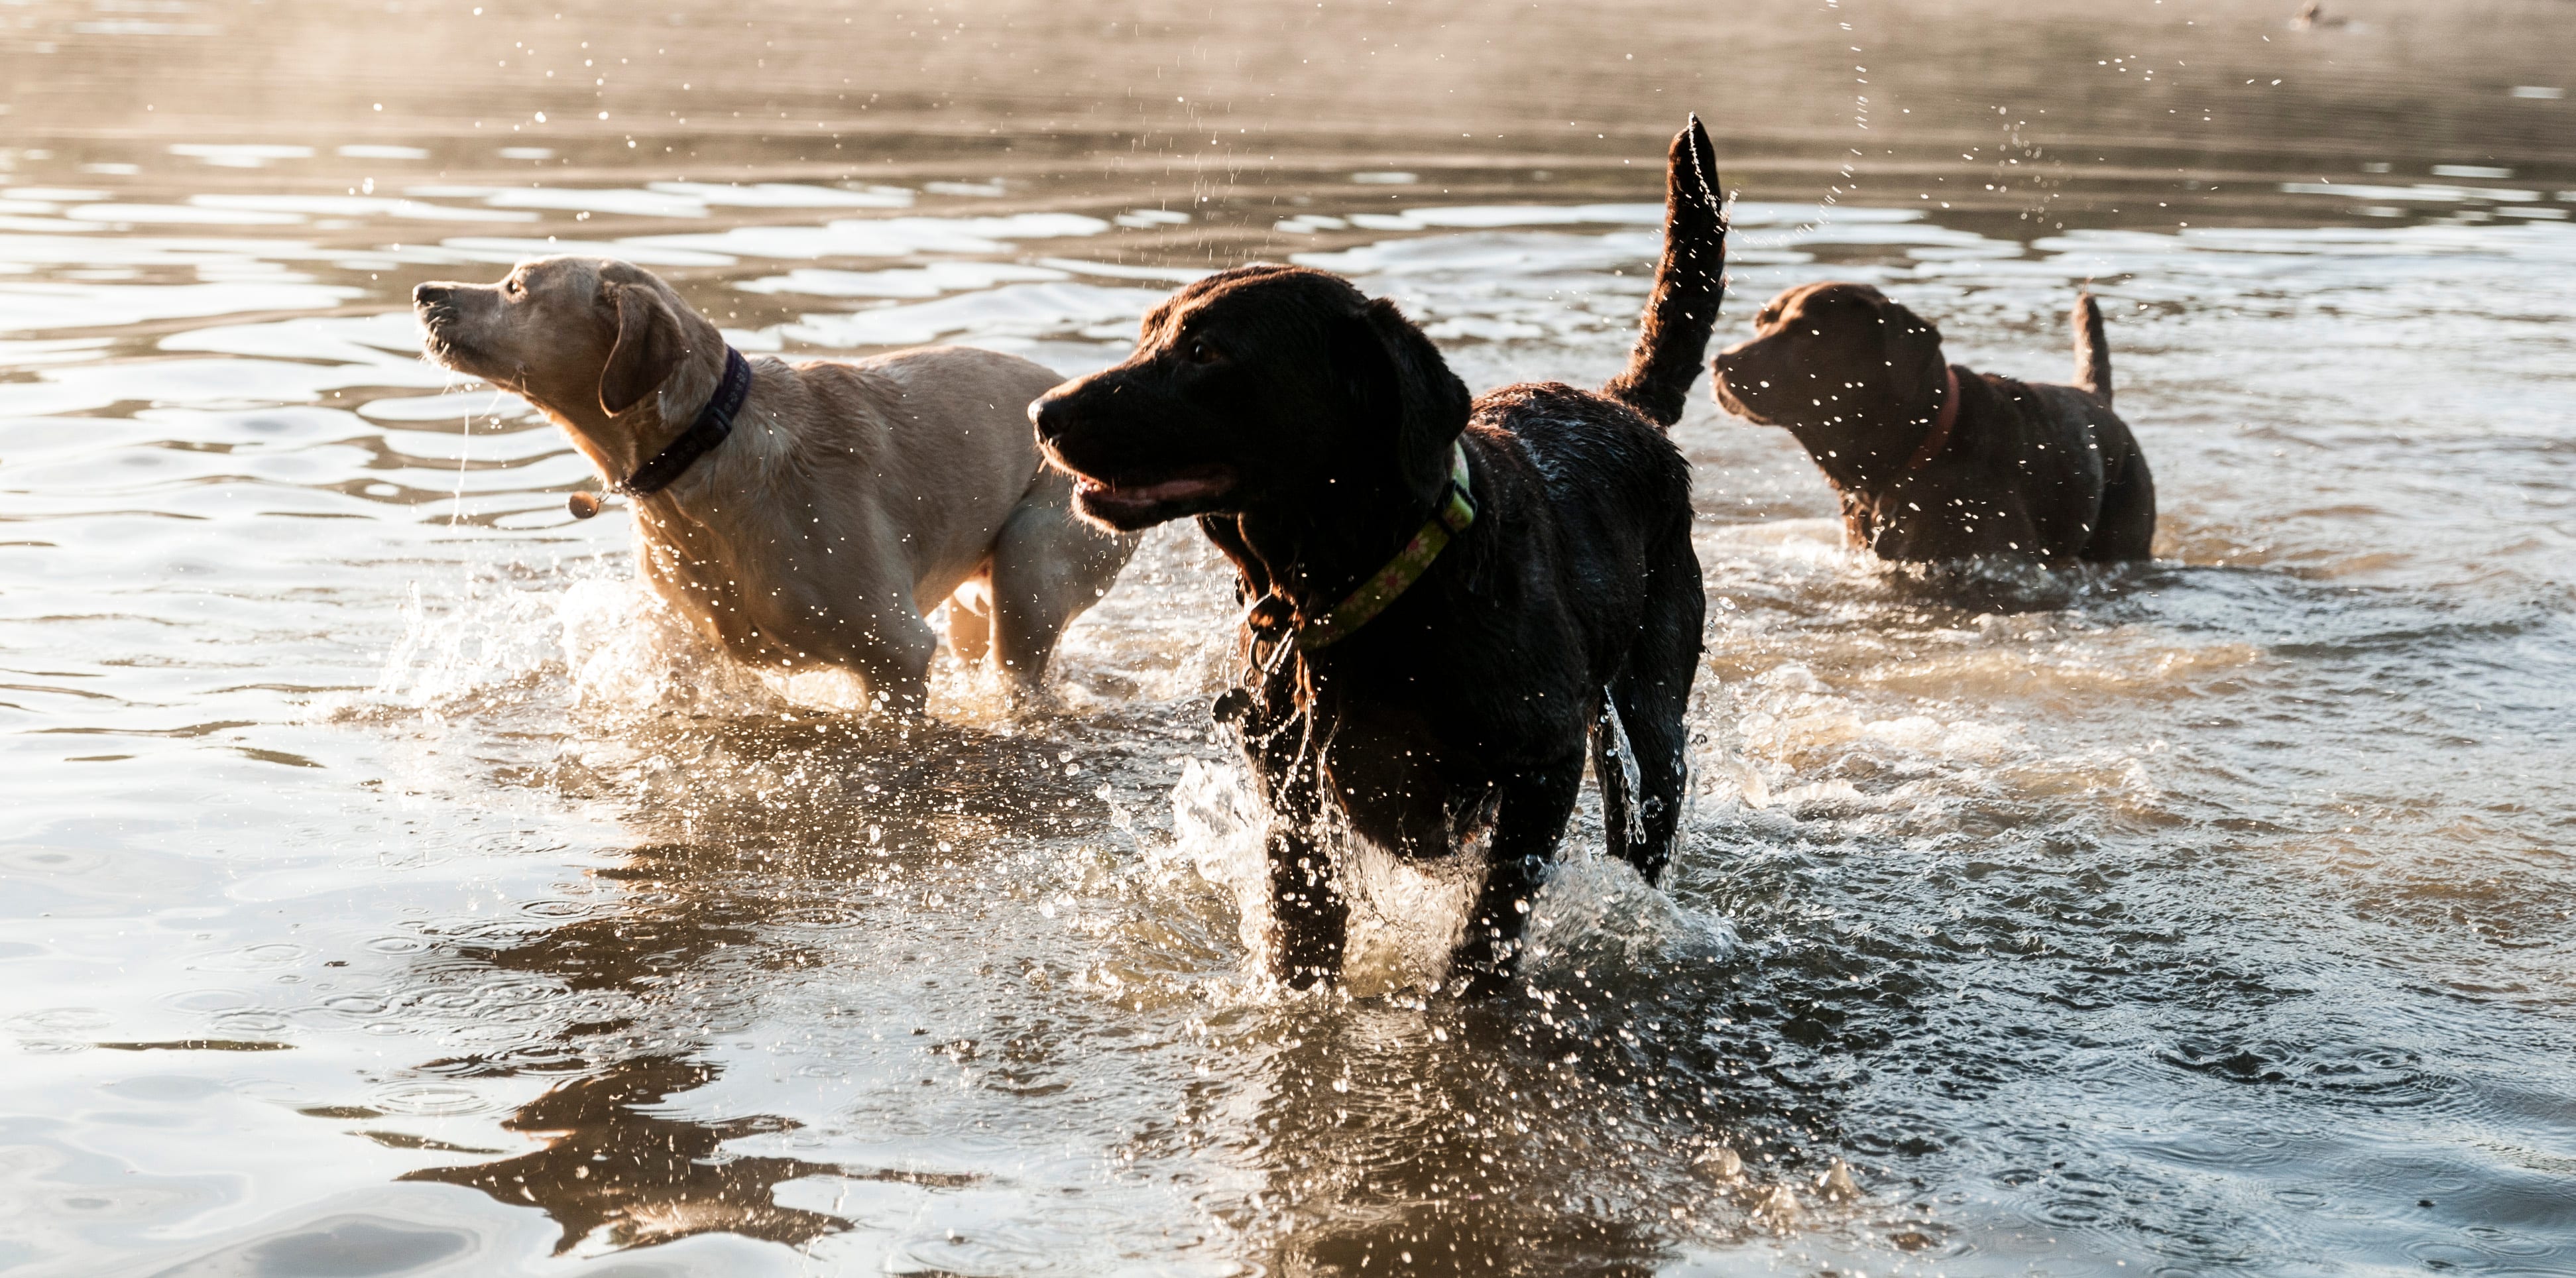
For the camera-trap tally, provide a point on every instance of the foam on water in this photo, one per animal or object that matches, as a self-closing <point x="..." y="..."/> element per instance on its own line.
<point x="588" y="640"/>
<point x="1405" y="916"/>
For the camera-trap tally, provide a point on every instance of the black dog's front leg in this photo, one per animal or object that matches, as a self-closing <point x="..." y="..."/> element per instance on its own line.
<point x="1307" y="905"/>
<point x="1534" y="812"/>
<point x="1308" y="913"/>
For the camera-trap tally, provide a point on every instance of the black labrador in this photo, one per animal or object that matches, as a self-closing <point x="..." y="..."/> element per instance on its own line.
<point x="1446" y="597"/>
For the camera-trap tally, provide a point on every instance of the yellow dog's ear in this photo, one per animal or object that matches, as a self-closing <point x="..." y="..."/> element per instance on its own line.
<point x="650" y="346"/>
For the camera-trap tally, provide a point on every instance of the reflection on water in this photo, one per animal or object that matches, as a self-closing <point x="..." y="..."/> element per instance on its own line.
<point x="614" y="1175"/>
<point x="392" y="888"/>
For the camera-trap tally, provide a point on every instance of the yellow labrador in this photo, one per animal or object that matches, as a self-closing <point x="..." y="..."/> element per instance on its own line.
<point x="804" y="516"/>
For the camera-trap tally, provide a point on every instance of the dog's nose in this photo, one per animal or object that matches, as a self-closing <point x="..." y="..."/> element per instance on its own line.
<point x="1052" y="413"/>
<point x="432" y="294"/>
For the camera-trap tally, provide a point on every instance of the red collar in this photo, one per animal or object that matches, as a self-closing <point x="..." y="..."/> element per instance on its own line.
<point x="1941" y="425"/>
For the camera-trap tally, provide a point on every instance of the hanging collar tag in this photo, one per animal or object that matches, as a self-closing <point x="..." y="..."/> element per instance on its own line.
<point x="1457" y="510"/>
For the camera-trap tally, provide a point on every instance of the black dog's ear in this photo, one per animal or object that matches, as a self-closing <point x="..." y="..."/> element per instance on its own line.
<point x="1913" y="352"/>
<point x="1397" y="380"/>
<point x="649" y="347"/>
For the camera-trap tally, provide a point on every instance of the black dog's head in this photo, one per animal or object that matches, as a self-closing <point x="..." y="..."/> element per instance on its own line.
<point x="1852" y="373"/>
<point x="1256" y="388"/>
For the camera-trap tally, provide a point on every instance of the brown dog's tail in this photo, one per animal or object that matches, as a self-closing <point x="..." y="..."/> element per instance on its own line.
<point x="1689" y="284"/>
<point x="2092" y="351"/>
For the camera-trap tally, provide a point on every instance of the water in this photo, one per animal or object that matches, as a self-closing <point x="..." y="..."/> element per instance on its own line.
<point x="390" y="889"/>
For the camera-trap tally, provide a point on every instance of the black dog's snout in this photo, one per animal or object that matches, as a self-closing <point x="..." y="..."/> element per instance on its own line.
<point x="432" y="294"/>
<point x="1054" y="413"/>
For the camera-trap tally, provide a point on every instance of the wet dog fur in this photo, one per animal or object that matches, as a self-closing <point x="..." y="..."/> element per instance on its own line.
<point x="851" y="499"/>
<point x="1308" y="428"/>
<point x="2028" y="470"/>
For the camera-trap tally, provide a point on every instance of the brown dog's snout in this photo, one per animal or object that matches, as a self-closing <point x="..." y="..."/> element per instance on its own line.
<point x="1722" y="366"/>
<point x="1730" y="382"/>
<point x="432" y="294"/>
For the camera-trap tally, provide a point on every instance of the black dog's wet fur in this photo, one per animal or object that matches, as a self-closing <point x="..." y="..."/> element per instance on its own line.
<point x="1467" y="705"/>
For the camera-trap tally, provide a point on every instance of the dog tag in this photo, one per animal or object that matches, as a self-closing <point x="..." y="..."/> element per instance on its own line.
<point x="582" y="505"/>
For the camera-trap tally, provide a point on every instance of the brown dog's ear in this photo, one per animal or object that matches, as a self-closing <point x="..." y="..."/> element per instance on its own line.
<point x="1913" y="353"/>
<point x="1397" y="377"/>
<point x="649" y="347"/>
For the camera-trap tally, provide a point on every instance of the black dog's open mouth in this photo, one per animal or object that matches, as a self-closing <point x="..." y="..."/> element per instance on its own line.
<point x="1137" y="503"/>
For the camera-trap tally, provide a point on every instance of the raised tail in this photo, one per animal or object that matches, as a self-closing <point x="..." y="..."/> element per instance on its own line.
<point x="1689" y="284"/>
<point x="2092" y="351"/>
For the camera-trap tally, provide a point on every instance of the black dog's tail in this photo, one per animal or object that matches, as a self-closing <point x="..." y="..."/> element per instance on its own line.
<point x="1689" y="284"/>
<point x="2092" y="351"/>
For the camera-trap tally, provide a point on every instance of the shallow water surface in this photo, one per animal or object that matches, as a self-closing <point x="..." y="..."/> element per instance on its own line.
<point x="387" y="886"/>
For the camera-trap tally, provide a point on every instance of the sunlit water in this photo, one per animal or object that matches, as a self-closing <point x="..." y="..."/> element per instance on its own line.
<point x="390" y="888"/>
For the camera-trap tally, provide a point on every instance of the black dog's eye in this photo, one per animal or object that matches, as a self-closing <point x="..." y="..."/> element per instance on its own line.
<point x="1200" y="352"/>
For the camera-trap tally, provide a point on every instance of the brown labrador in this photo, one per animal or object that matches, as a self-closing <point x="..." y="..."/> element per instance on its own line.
<point x="1447" y="598"/>
<point x="833" y="506"/>
<point x="1934" y="462"/>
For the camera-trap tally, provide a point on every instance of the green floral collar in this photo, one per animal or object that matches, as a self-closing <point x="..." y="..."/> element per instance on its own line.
<point x="1457" y="510"/>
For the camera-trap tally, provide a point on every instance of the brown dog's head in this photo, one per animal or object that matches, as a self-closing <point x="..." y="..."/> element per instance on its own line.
<point x="587" y="339"/>
<point x="1257" y="387"/>
<point x="1855" y="376"/>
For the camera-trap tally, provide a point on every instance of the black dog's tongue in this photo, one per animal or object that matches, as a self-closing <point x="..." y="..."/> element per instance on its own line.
<point x="1177" y="488"/>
